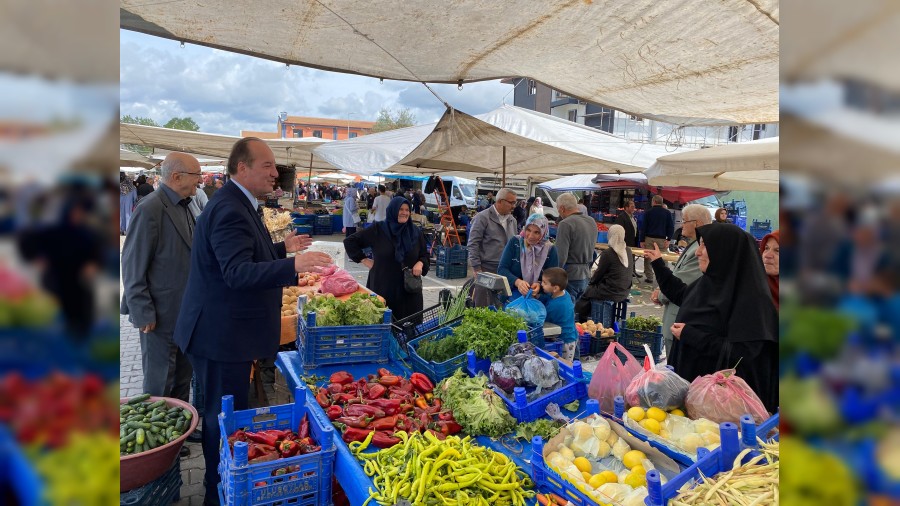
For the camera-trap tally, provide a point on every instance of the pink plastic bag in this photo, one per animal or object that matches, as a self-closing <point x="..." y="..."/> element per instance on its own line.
<point x="339" y="283"/>
<point x="657" y="387"/>
<point x="612" y="376"/>
<point x="723" y="397"/>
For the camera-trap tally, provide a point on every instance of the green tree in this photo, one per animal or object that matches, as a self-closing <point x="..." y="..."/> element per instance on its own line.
<point x="137" y="120"/>
<point x="185" y="123"/>
<point x="387" y="120"/>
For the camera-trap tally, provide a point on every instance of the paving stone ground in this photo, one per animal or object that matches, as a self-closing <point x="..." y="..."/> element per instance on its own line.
<point x="193" y="467"/>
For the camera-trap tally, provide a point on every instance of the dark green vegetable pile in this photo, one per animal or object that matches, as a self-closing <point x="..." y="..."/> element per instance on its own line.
<point x="359" y="309"/>
<point x="645" y="323"/>
<point x="488" y="333"/>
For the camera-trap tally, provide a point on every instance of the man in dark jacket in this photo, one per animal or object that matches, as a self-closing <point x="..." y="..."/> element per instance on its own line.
<point x="659" y="227"/>
<point x="625" y="217"/>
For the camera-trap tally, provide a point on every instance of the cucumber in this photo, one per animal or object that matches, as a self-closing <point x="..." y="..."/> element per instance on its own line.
<point x="138" y="399"/>
<point x="158" y="404"/>
<point x="179" y="425"/>
<point x="140" y="436"/>
<point x="130" y="436"/>
<point x="187" y="414"/>
<point x="161" y="425"/>
<point x="169" y="431"/>
<point x="154" y="429"/>
<point x="158" y="417"/>
<point x="138" y="425"/>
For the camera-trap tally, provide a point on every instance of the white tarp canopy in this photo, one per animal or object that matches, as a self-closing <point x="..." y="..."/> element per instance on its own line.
<point x="131" y="159"/>
<point x="685" y="62"/>
<point x="536" y="144"/>
<point x="749" y="166"/>
<point x="287" y="151"/>
<point x="577" y="182"/>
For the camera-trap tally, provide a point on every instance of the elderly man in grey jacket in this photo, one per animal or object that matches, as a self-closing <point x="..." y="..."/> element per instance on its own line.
<point x="156" y="259"/>
<point x="575" y="242"/>
<point x="488" y="235"/>
<point x="687" y="268"/>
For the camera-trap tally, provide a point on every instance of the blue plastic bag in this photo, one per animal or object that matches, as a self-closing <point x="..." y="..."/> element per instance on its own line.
<point x="532" y="310"/>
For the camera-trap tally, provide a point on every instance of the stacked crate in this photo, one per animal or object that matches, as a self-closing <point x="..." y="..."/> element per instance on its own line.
<point x="452" y="262"/>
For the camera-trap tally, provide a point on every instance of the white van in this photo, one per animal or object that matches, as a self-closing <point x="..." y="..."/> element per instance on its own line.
<point x="460" y="190"/>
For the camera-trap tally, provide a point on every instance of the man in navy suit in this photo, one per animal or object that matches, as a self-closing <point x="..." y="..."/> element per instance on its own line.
<point x="231" y="311"/>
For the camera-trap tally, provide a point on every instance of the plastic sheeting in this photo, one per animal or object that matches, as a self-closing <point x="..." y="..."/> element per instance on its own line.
<point x="685" y="61"/>
<point x="287" y="151"/>
<point x="749" y="166"/>
<point x="536" y="144"/>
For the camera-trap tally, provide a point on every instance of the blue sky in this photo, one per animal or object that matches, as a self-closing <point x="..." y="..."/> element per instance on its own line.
<point x="227" y="92"/>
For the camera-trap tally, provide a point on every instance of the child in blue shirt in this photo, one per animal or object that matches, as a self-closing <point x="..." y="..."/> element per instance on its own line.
<point x="560" y="308"/>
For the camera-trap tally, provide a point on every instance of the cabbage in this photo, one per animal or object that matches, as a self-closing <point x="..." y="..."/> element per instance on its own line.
<point x="505" y="375"/>
<point x="541" y="373"/>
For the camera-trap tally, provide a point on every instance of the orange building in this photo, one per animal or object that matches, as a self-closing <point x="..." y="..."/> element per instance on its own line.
<point x="323" y="128"/>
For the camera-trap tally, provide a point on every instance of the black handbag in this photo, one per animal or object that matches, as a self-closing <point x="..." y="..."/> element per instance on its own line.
<point x="411" y="282"/>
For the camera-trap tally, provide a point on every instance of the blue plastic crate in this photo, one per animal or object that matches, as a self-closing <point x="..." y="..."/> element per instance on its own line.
<point x="162" y="491"/>
<point x="634" y="341"/>
<point x="584" y="344"/>
<point x="304" y="229"/>
<point x="573" y="389"/>
<point x="345" y="344"/>
<point x="337" y="223"/>
<point x="303" y="219"/>
<point x="320" y="230"/>
<point x="748" y="430"/>
<point x="418" y="324"/>
<point x="602" y="237"/>
<point x="435" y="370"/>
<point x="452" y="255"/>
<point x="308" y="485"/>
<point x="547" y="480"/>
<point x="452" y="271"/>
<point x="323" y="220"/>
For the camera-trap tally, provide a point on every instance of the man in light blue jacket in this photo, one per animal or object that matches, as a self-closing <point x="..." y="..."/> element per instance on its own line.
<point x="351" y="212"/>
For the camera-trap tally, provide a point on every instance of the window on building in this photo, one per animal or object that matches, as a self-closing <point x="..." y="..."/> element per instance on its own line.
<point x="317" y="134"/>
<point x="352" y="135"/>
<point x="298" y="134"/>
<point x="532" y="87"/>
<point x="573" y="115"/>
<point x="758" y="130"/>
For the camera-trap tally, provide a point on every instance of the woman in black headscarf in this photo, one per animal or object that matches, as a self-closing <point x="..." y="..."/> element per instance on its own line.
<point x="726" y="316"/>
<point x="396" y="244"/>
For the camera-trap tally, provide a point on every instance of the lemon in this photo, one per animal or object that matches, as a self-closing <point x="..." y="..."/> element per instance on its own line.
<point x="586" y="476"/>
<point x="638" y="469"/>
<point x="633" y="458"/>
<point x="636" y="480"/>
<point x="597" y="480"/>
<point x="676" y="411"/>
<point x="650" y="424"/>
<point x="609" y="476"/>
<point x="583" y="465"/>
<point x="656" y="414"/>
<point x="567" y="453"/>
<point x="636" y="413"/>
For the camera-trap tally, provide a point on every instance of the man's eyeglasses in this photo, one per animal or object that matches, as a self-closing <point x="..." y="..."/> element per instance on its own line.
<point x="510" y="202"/>
<point x="690" y="221"/>
<point x="198" y="174"/>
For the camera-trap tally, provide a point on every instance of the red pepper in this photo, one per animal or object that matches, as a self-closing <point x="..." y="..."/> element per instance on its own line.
<point x="342" y="377"/>
<point x="364" y="410"/>
<point x="436" y="402"/>
<point x="450" y="427"/>
<point x="322" y="398"/>
<point x="259" y="437"/>
<point x="304" y="427"/>
<point x="268" y="457"/>
<point x="390" y="406"/>
<point x="306" y="448"/>
<point x="420" y="402"/>
<point x="352" y="434"/>
<point x="335" y="388"/>
<point x="359" y="422"/>
<point x="334" y="412"/>
<point x="437" y="434"/>
<point x="343" y="398"/>
<point x="269" y="437"/>
<point x="384" y="372"/>
<point x="445" y="416"/>
<point x="350" y="388"/>
<point x="290" y="436"/>
<point x="389" y="380"/>
<point x="421" y="383"/>
<point x="384" y="440"/>
<point x="403" y="388"/>
<point x="388" y="423"/>
<point x="376" y="391"/>
<point x="288" y="448"/>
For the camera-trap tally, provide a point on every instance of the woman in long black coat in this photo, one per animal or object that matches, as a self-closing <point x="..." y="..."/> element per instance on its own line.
<point x="396" y="243"/>
<point x="727" y="316"/>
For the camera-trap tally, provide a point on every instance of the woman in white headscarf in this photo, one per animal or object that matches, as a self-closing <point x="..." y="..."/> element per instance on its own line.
<point x="527" y="255"/>
<point x="610" y="283"/>
<point x="537" y="207"/>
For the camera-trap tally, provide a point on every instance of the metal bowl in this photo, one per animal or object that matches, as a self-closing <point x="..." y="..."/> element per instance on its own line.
<point x="140" y="469"/>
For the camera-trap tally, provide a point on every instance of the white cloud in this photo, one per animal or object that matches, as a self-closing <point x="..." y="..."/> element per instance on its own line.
<point x="226" y="92"/>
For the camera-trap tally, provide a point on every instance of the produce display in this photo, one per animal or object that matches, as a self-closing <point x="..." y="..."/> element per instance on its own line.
<point x="656" y="386"/>
<point x="83" y="471"/>
<point x="47" y="412"/>
<point x="338" y="282"/>
<point x="674" y="429"/>
<point x="145" y="425"/>
<point x="377" y="407"/>
<point x="477" y="408"/>
<point x="644" y="323"/>
<point x="276" y="220"/>
<point x="541" y="427"/>
<point x="269" y="445"/>
<point x="456" y="306"/>
<point x="425" y="469"/>
<point x="521" y="367"/>
<point x="359" y="309"/>
<point x="723" y="397"/>
<point x="595" y="328"/>
<point x="289" y="296"/>
<point x="595" y="460"/>
<point x="307" y="278"/>
<point x="753" y="483"/>
<point x="488" y="333"/>
<point x="812" y="477"/>
<point x="23" y="305"/>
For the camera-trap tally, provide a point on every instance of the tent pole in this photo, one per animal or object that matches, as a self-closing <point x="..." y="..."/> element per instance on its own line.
<point x="309" y="177"/>
<point x="503" y="183"/>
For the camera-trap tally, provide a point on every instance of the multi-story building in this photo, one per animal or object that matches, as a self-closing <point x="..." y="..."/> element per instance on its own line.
<point x="323" y="128"/>
<point x="530" y="94"/>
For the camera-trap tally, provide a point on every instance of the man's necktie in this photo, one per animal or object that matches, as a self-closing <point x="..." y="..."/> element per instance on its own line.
<point x="189" y="216"/>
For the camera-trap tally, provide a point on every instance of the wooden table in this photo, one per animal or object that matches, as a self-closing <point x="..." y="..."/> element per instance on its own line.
<point x="668" y="257"/>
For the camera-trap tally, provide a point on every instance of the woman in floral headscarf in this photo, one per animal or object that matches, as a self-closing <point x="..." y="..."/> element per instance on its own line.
<point x="527" y="255"/>
<point x="127" y="200"/>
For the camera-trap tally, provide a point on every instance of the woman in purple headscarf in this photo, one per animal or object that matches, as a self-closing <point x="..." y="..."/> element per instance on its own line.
<point x="527" y="255"/>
